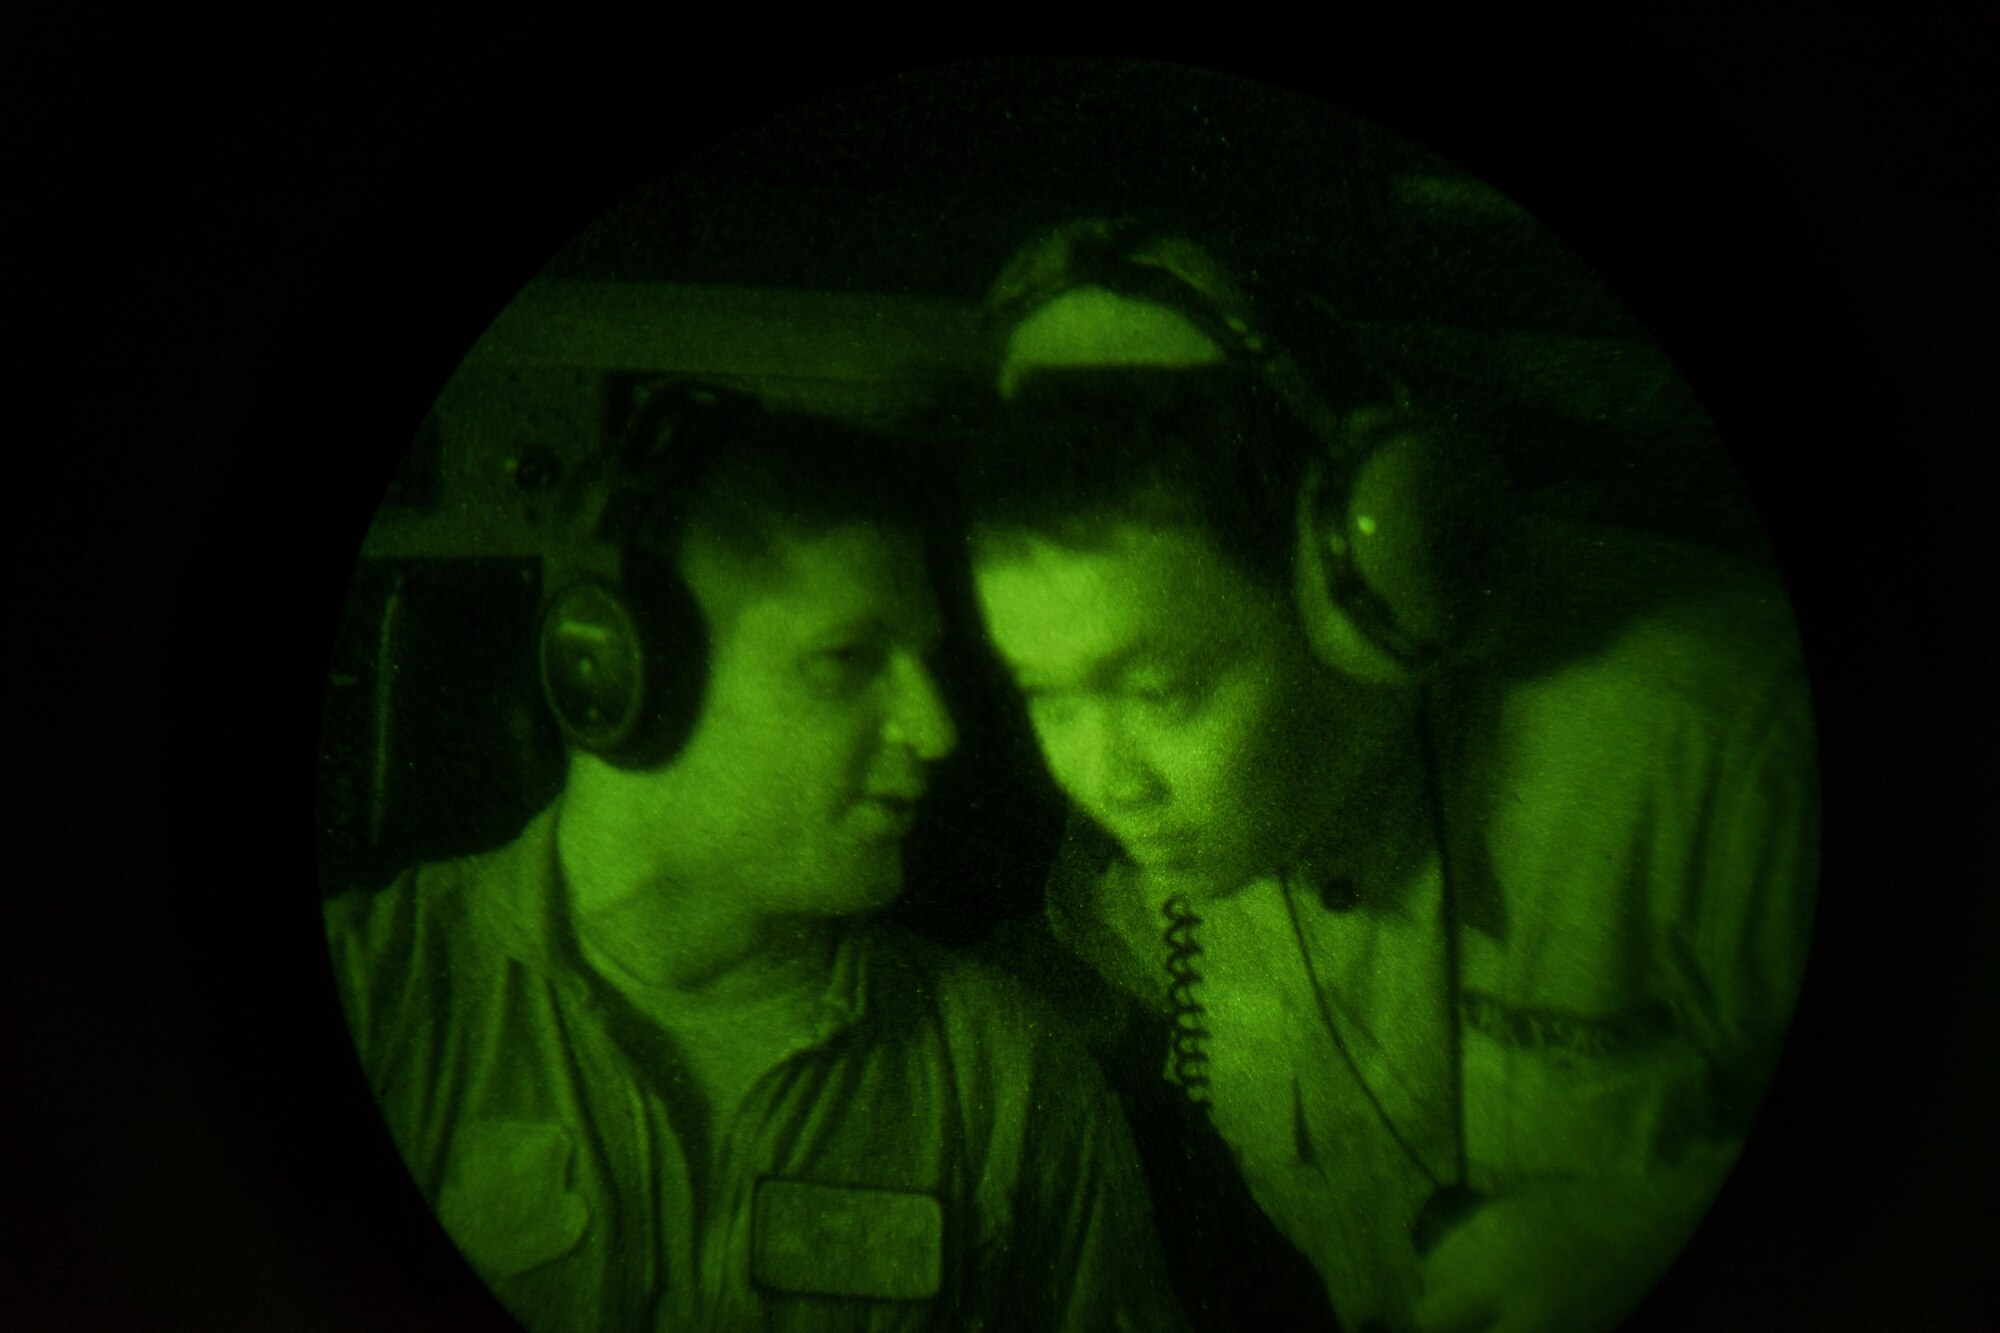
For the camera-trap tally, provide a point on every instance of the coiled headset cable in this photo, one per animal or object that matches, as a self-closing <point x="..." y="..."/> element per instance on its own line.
<point x="1447" y="1204"/>
<point x="1190" y="1018"/>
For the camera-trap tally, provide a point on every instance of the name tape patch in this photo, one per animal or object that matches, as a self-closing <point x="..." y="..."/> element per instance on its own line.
<point x="839" y="1240"/>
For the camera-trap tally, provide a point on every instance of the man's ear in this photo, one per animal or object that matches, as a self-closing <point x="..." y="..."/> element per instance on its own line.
<point x="1322" y="546"/>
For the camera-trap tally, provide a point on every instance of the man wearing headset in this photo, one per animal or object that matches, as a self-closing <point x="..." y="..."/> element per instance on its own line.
<point x="648" y="1062"/>
<point x="1456" y="863"/>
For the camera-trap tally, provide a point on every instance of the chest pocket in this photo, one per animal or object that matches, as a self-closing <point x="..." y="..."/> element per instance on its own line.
<point x="507" y="1201"/>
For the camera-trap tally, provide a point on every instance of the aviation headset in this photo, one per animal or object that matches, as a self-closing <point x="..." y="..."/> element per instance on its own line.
<point x="1394" y="479"/>
<point x="623" y="648"/>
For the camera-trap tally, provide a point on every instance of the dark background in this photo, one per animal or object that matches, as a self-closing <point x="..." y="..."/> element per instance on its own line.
<point x="257" y="282"/>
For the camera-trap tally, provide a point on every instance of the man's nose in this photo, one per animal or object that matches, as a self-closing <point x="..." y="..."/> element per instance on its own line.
<point x="918" y="715"/>
<point x="1121" y="777"/>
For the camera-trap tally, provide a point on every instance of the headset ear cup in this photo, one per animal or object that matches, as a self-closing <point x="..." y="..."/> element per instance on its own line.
<point x="624" y="670"/>
<point x="675" y="634"/>
<point x="1321" y="549"/>
<point x="592" y="666"/>
<point x="1450" y="509"/>
<point x="1395" y="524"/>
<point x="1388" y="573"/>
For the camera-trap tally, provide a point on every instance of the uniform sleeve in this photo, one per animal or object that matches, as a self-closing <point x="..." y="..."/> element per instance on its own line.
<point x="358" y="933"/>
<point x="375" y="942"/>
<point x="1740" y="927"/>
<point x="1654" y="832"/>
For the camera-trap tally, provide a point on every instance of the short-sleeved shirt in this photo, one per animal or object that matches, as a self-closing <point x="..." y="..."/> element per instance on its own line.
<point x="1631" y="835"/>
<point x="932" y="1154"/>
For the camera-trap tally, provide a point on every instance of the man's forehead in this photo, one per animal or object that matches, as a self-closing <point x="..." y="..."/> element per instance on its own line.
<point x="1112" y="548"/>
<point x="850" y="571"/>
<point x="1067" y="606"/>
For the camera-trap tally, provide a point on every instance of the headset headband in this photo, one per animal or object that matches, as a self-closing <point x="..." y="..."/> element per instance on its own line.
<point x="645" y="475"/>
<point x="1165" y="271"/>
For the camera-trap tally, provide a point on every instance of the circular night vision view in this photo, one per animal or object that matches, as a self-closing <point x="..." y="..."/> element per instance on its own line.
<point x="1068" y="696"/>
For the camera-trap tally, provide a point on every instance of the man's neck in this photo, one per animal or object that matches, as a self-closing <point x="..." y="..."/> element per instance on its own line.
<point x="645" y="929"/>
<point x="663" y="948"/>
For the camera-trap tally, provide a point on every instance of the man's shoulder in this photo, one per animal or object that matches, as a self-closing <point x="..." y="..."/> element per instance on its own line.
<point x="393" y="947"/>
<point x="436" y="900"/>
<point x="1682" y="636"/>
<point x="425" y="903"/>
<point x="1733" y="627"/>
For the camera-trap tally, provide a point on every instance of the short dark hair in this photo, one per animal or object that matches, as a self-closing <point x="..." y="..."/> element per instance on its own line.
<point x="796" y="475"/>
<point x="748" y="476"/>
<point x="1076" y="450"/>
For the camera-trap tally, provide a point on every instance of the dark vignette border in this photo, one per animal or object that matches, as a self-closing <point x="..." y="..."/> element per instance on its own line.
<point x="273" y="266"/>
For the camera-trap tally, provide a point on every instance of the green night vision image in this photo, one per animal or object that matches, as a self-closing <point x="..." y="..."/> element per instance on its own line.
<point x="1058" y="749"/>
